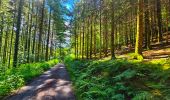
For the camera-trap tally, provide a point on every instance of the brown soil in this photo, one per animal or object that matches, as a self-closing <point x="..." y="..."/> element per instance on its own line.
<point x="157" y="54"/>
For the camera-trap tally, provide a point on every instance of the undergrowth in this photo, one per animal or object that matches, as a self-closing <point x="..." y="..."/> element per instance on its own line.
<point x="15" y="78"/>
<point x="119" y="80"/>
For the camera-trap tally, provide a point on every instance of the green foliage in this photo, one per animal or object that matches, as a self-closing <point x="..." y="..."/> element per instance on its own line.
<point x="15" y="78"/>
<point x="143" y="95"/>
<point x="69" y="59"/>
<point x="119" y="80"/>
<point x="10" y="83"/>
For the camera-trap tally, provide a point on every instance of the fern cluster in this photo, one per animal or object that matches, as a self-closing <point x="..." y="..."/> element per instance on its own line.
<point x="119" y="80"/>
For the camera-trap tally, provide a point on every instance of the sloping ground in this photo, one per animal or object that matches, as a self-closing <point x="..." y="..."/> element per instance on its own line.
<point x="157" y="54"/>
<point x="52" y="85"/>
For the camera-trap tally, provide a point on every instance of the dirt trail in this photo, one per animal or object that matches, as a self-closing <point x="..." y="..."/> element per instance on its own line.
<point x="52" y="85"/>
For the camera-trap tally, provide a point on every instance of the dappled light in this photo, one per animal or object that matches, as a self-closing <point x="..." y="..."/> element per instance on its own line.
<point x="52" y="85"/>
<point x="84" y="49"/>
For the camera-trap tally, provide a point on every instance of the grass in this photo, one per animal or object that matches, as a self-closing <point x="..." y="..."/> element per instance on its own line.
<point x="120" y="79"/>
<point x="15" y="78"/>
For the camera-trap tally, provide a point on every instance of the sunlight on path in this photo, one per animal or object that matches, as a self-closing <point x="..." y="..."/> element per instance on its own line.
<point x="52" y="85"/>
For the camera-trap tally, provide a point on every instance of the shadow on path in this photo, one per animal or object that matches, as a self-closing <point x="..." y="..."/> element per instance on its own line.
<point x="52" y="85"/>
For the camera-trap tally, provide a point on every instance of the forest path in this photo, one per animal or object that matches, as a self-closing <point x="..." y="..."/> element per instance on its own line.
<point x="54" y="84"/>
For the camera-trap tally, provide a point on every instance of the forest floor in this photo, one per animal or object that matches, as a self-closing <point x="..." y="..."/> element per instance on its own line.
<point x="124" y="78"/>
<point x="155" y="54"/>
<point x="54" y="84"/>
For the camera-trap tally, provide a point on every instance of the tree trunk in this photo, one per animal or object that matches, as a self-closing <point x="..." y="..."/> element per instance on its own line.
<point x="29" y="34"/>
<point x="147" y="25"/>
<point x="41" y="31"/>
<point x="100" y="29"/>
<point x="11" y="43"/>
<point x="139" y="35"/>
<point x="159" y="18"/>
<point x="112" y="32"/>
<point x="48" y="35"/>
<point x="20" y="8"/>
<point x="91" y="37"/>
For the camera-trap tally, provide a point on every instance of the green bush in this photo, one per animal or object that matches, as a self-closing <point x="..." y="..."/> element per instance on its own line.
<point x="69" y="59"/>
<point x="10" y="83"/>
<point x="45" y="66"/>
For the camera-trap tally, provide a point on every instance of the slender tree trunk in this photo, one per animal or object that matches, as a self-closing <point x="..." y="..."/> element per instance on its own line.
<point x="11" y="43"/>
<point x="159" y="18"/>
<point x="147" y="25"/>
<point x="34" y="36"/>
<point x="106" y="35"/>
<point x="29" y="35"/>
<point x="168" y="20"/>
<point x="41" y="31"/>
<point x="1" y="34"/>
<point x="15" y="59"/>
<point x="26" y="33"/>
<point x="5" y="45"/>
<point x="83" y="39"/>
<point x="48" y="35"/>
<point x="91" y="37"/>
<point x="100" y="29"/>
<point x="88" y="31"/>
<point x="75" y="39"/>
<point x="112" y="31"/>
<point x="94" y="31"/>
<point x="51" y="46"/>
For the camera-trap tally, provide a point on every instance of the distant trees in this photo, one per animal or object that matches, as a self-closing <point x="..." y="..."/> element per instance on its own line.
<point x="119" y="26"/>
<point x="29" y="30"/>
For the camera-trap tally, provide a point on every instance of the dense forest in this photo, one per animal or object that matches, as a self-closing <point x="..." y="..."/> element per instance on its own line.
<point x="30" y="30"/>
<point x="112" y="49"/>
<point x="134" y="34"/>
<point x="104" y="27"/>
